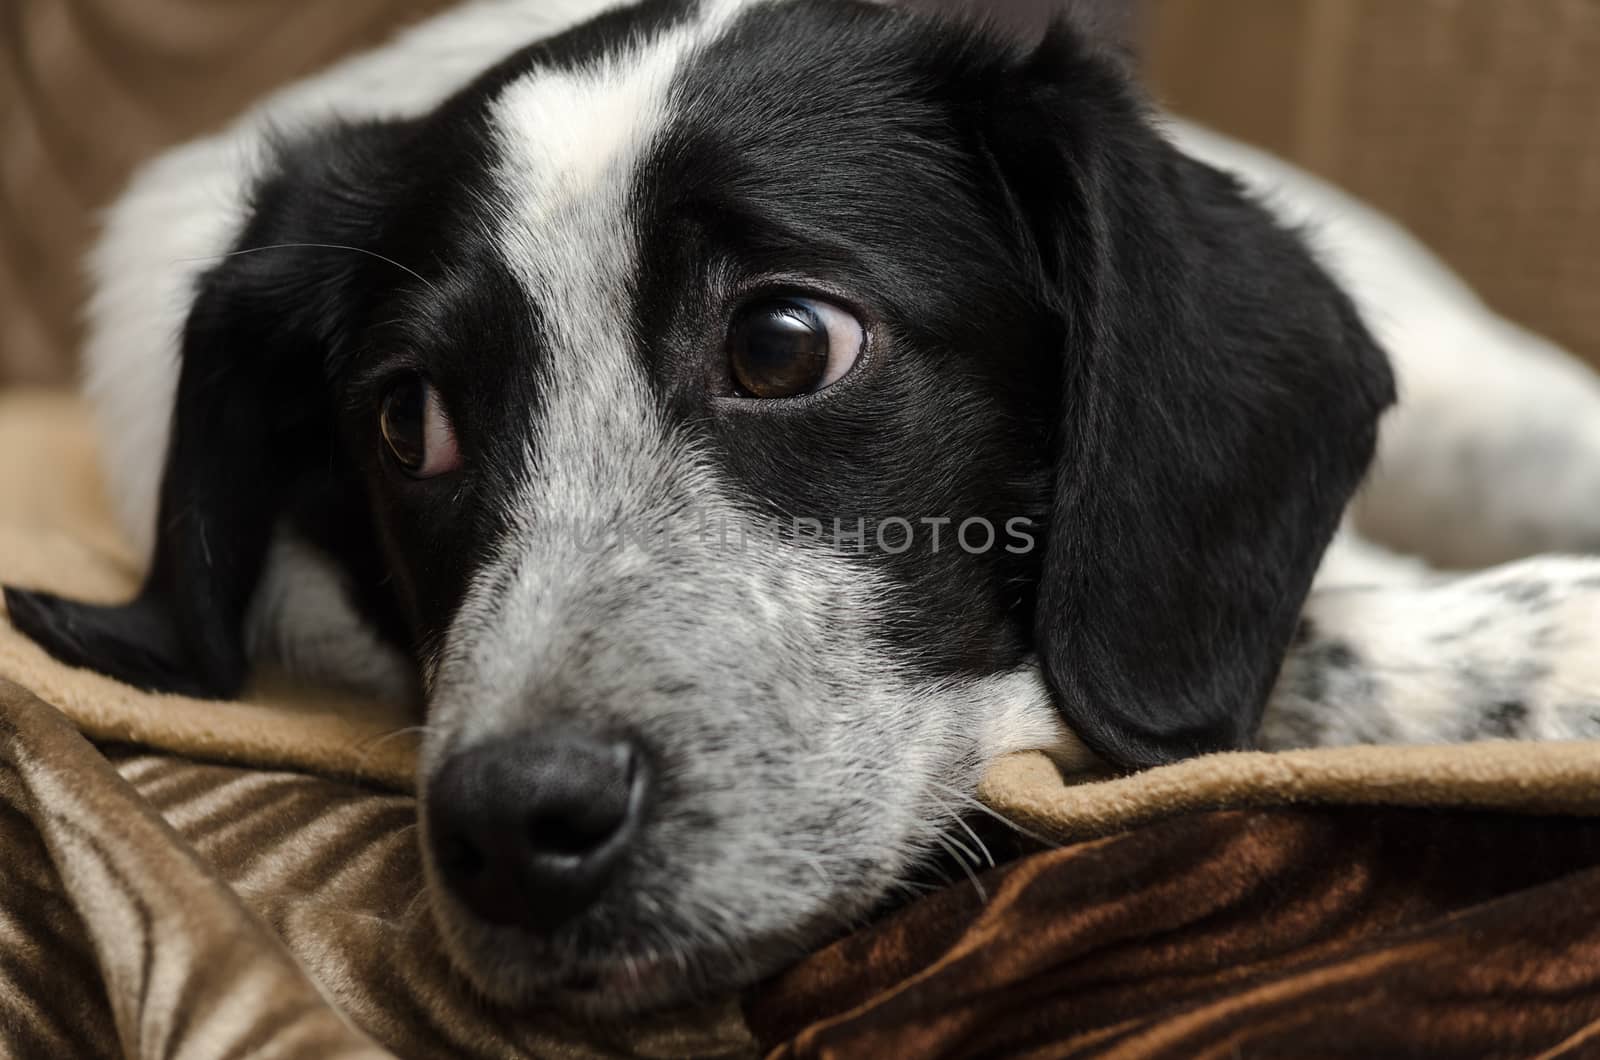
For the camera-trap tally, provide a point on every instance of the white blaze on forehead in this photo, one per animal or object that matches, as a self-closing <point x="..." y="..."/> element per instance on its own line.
<point x="572" y="143"/>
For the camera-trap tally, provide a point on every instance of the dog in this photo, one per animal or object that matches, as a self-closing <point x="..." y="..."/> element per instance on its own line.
<point x="741" y="421"/>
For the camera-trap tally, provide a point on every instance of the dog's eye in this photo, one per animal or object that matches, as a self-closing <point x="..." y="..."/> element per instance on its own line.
<point x="790" y="347"/>
<point x="416" y="429"/>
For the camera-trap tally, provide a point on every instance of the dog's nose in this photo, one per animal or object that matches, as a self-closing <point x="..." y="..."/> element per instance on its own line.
<point x="528" y="830"/>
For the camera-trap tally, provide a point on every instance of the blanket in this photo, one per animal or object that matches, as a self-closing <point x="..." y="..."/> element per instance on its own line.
<point x="241" y="879"/>
<point x="1275" y="933"/>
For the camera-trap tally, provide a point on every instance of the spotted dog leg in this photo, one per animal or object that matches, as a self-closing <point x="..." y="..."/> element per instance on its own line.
<point x="1493" y="453"/>
<point x="1509" y="653"/>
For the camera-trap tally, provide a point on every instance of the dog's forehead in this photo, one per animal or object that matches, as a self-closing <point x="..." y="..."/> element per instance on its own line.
<point x="807" y="121"/>
<point x="583" y="142"/>
<point x="569" y="142"/>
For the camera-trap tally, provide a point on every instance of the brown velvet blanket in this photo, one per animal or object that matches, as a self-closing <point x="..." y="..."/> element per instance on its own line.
<point x="161" y="907"/>
<point x="1274" y="933"/>
<point x="245" y="883"/>
<point x="157" y="907"/>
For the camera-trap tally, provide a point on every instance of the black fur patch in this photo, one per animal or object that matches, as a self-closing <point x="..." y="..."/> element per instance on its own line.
<point x="1534" y="595"/>
<point x="1504" y="720"/>
<point x="1333" y="672"/>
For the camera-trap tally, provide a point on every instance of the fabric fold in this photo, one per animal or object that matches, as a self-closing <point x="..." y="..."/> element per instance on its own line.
<point x="187" y="970"/>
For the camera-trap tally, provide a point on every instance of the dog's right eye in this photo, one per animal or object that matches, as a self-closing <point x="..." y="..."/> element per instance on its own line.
<point x="416" y="430"/>
<point x="791" y="347"/>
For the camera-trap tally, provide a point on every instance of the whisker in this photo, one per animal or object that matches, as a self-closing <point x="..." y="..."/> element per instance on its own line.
<point x="976" y="804"/>
<point x="632" y="965"/>
<point x="968" y="854"/>
<point x="369" y="746"/>
<point x="977" y="885"/>
<point x="944" y="807"/>
<point x="384" y="737"/>
<point x="989" y="857"/>
<point x="319" y="246"/>
<point x="822" y="873"/>
<point x="411" y="907"/>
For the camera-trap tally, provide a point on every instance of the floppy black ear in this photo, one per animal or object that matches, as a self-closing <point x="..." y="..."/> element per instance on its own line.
<point x="1219" y="402"/>
<point x="252" y="417"/>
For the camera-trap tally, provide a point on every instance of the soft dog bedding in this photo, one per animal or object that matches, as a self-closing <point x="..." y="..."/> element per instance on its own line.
<point x="158" y="903"/>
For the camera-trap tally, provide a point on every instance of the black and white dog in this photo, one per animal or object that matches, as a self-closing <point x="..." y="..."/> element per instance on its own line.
<point x="745" y="419"/>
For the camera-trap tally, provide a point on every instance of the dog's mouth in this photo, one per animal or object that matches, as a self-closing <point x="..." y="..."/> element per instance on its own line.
<point x="603" y="975"/>
<point x="632" y="985"/>
<point x="511" y="969"/>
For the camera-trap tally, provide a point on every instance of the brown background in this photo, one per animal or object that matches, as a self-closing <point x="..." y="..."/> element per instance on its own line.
<point x="1476" y="122"/>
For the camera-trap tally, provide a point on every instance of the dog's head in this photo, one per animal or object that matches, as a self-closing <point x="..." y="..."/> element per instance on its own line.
<point x="737" y="408"/>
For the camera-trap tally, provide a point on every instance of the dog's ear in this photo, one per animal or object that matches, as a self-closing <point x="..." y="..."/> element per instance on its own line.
<point x="253" y="414"/>
<point x="1218" y="404"/>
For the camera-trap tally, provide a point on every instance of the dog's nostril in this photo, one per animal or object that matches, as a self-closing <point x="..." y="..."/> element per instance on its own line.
<point x="529" y="830"/>
<point x="570" y="836"/>
<point x="574" y="820"/>
<point x="459" y="857"/>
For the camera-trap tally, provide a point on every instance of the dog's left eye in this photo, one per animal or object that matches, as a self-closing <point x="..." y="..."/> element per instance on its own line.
<point x="790" y="347"/>
<point x="416" y="429"/>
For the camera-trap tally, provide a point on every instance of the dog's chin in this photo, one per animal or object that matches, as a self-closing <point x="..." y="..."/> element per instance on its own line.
<point x="510" y="967"/>
<point x="633" y="986"/>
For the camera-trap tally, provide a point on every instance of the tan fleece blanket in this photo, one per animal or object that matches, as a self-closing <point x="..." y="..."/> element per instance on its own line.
<point x="241" y="878"/>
